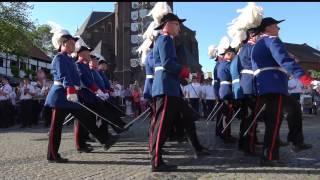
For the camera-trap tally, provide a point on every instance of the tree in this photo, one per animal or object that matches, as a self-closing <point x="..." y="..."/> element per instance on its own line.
<point x="41" y="38"/>
<point x="14" y="26"/>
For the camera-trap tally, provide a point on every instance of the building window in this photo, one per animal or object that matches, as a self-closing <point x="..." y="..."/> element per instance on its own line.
<point x="109" y="27"/>
<point x="22" y="66"/>
<point x="13" y="63"/>
<point x="1" y="62"/>
<point x="33" y="67"/>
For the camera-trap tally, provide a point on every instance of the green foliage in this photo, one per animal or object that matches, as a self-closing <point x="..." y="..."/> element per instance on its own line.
<point x="315" y="74"/>
<point x="41" y="38"/>
<point x="14" y="26"/>
<point x="15" y="71"/>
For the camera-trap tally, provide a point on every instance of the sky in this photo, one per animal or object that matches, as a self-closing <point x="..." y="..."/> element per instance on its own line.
<point x="208" y="19"/>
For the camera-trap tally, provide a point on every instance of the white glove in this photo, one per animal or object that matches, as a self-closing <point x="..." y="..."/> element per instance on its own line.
<point x="316" y="84"/>
<point x="101" y="95"/>
<point x="72" y="97"/>
<point x="106" y="95"/>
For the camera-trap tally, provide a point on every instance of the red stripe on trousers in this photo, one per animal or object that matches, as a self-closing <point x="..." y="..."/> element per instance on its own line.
<point x="152" y="128"/>
<point x="52" y="128"/>
<point x="76" y="134"/>
<point x="276" y="129"/>
<point x="253" y="129"/>
<point x="160" y="128"/>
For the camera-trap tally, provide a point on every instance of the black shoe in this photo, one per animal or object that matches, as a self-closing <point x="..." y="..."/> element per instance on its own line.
<point x="201" y="153"/>
<point x="271" y="163"/>
<point x="112" y="139"/>
<point x="85" y="149"/>
<point x="164" y="168"/>
<point x="300" y="147"/>
<point x="58" y="160"/>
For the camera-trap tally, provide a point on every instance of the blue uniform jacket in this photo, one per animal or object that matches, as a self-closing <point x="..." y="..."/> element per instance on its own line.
<point x="149" y="67"/>
<point x="64" y="71"/>
<point x="98" y="79"/>
<point x="269" y="52"/>
<point x="105" y="79"/>
<point x="225" y="90"/>
<point x="245" y="69"/>
<point x="235" y="75"/>
<point x="166" y="81"/>
<point x="216" y="81"/>
<point x="87" y="82"/>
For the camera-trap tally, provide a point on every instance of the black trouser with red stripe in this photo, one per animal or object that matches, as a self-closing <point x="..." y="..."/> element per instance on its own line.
<point x="250" y="109"/>
<point x="188" y="124"/>
<point x="80" y="135"/>
<point x="273" y="118"/>
<point x="85" y="118"/>
<point x="294" y="117"/>
<point x="226" y="114"/>
<point x="105" y="110"/>
<point x="166" y="109"/>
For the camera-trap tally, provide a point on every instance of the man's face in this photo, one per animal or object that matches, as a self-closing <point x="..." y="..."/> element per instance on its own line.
<point x="229" y="55"/>
<point x="173" y="28"/>
<point x="69" y="46"/>
<point x="273" y="30"/>
<point x="85" y="55"/>
<point x="102" y="66"/>
<point x="93" y="63"/>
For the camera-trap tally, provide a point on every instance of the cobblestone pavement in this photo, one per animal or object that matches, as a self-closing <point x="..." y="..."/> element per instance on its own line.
<point x="23" y="156"/>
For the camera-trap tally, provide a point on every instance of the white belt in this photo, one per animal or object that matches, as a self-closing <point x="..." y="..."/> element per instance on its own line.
<point x="58" y="83"/>
<point x="225" y="82"/>
<point x="235" y="81"/>
<point x="158" y="68"/>
<point x="149" y="76"/>
<point x="256" y="72"/>
<point x="246" y="71"/>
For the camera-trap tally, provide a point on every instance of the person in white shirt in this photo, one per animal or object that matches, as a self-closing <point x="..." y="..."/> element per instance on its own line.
<point x="208" y="95"/>
<point x="295" y="88"/>
<point x="5" y="104"/>
<point x="26" y="93"/>
<point x="193" y="92"/>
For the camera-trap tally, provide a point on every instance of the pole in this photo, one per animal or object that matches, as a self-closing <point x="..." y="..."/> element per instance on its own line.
<point x="233" y="117"/>
<point x="90" y="110"/>
<point x="254" y="120"/>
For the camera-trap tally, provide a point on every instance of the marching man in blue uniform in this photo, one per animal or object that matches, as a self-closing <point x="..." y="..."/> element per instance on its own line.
<point x="225" y="89"/>
<point x="166" y="89"/>
<point x="271" y="64"/>
<point x="242" y="31"/>
<point x="62" y="97"/>
<point x="92" y="96"/>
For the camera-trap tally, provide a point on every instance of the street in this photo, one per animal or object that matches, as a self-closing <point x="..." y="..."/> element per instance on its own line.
<point x="23" y="156"/>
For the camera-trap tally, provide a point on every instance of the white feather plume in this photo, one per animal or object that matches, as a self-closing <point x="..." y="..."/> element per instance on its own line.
<point x="54" y="26"/>
<point x="57" y="31"/>
<point x="212" y="51"/>
<point x="250" y="17"/>
<point x="238" y="37"/>
<point x="159" y="10"/>
<point x="150" y="32"/>
<point x="224" y="44"/>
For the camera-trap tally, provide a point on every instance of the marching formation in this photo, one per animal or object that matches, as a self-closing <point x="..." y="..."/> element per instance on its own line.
<point x="250" y="83"/>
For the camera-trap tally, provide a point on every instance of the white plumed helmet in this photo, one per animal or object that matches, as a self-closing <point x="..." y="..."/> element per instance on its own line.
<point x="58" y="33"/>
<point x="224" y="44"/>
<point x="212" y="51"/>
